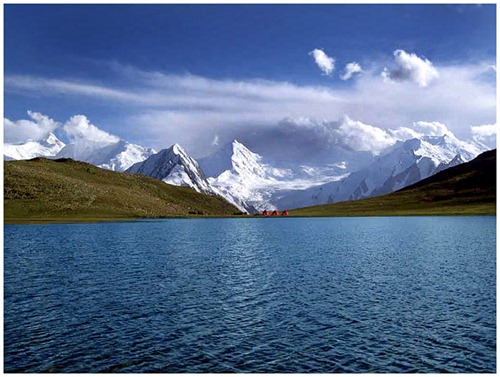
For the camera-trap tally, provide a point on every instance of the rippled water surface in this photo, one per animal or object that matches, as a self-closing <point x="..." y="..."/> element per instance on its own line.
<point x="252" y="295"/>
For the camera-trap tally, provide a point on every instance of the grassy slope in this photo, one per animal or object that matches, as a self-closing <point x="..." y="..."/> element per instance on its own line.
<point x="466" y="189"/>
<point x="65" y="190"/>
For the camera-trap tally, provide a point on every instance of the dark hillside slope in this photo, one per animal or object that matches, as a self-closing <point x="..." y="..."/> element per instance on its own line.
<point x="41" y="190"/>
<point x="466" y="189"/>
<point x="475" y="179"/>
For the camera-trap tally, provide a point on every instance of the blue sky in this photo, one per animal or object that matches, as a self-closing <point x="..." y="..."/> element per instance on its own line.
<point x="100" y="60"/>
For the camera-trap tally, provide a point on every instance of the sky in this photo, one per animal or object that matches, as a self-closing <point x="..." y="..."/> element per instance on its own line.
<point x="202" y="75"/>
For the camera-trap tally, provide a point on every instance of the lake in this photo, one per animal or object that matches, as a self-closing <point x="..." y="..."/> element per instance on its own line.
<point x="335" y="295"/>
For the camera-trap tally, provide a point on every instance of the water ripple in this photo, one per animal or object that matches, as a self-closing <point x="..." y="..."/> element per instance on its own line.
<point x="407" y="295"/>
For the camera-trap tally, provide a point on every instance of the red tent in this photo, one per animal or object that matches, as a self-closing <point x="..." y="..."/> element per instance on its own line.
<point x="265" y="213"/>
<point x="275" y="213"/>
<point x="284" y="213"/>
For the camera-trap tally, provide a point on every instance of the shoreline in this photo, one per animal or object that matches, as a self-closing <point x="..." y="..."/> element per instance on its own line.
<point x="49" y="221"/>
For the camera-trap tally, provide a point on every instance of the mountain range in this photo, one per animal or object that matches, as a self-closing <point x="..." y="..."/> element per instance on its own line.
<point x="48" y="147"/>
<point x="466" y="189"/>
<point x="403" y="164"/>
<point x="116" y="156"/>
<point x="253" y="182"/>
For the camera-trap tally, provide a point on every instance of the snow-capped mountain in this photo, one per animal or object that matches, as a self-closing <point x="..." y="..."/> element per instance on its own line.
<point x="47" y="147"/>
<point x="117" y="156"/>
<point x="253" y="182"/>
<point x="250" y="182"/>
<point x="403" y="164"/>
<point x="242" y="177"/>
<point x="174" y="166"/>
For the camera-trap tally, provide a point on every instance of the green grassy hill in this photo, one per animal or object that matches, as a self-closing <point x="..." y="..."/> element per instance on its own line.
<point x="42" y="190"/>
<point x="466" y="189"/>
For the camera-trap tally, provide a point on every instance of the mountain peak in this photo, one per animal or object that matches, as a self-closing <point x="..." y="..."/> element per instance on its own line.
<point x="48" y="147"/>
<point x="52" y="139"/>
<point x="231" y="155"/>
<point x="174" y="166"/>
<point x="174" y="149"/>
<point x="447" y="138"/>
<point x="177" y="149"/>
<point x="240" y="151"/>
<point x="239" y="147"/>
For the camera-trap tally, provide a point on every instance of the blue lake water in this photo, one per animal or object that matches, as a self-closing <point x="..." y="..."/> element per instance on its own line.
<point x="412" y="294"/>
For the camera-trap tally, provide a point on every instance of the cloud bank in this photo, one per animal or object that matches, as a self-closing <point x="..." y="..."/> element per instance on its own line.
<point x="351" y="134"/>
<point x="156" y="109"/>
<point x="304" y="140"/>
<point x="324" y="62"/>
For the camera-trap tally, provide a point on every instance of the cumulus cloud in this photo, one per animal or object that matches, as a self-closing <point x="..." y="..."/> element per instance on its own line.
<point x="23" y="130"/>
<point x="363" y="137"/>
<point x="431" y="128"/>
<point x="486" y="134"/>
<point x="410" y="67"/>
<point x="420" y="129"/>
<point x="350" y="69"/>
<point x="404" y="133"/>
<point x="79" y="128"/>
<point x="303" y="138"/>
<point x="324" y="62"/>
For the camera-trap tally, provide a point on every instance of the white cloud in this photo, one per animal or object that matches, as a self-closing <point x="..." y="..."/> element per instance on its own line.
<point x="420" y="129"/>
<point x="78" y="128"/>
<point x="410" y="67"/>
<point x="54" y="86"/>
<point x="486" y="134"/>
<point x="403" y="133"/>
<point x="350" y="70"/>
<point x="24" y="130"/>
<point x="324" y="62"/>
<point x="363" y="137"/>
<point x="215" y="141"/>
<point x="484" y="130"/>
<point x="318" y="133"/>
<point x="431" y="128"/>
<point x="157" y="109"/>
<point x="322" y="134"/>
